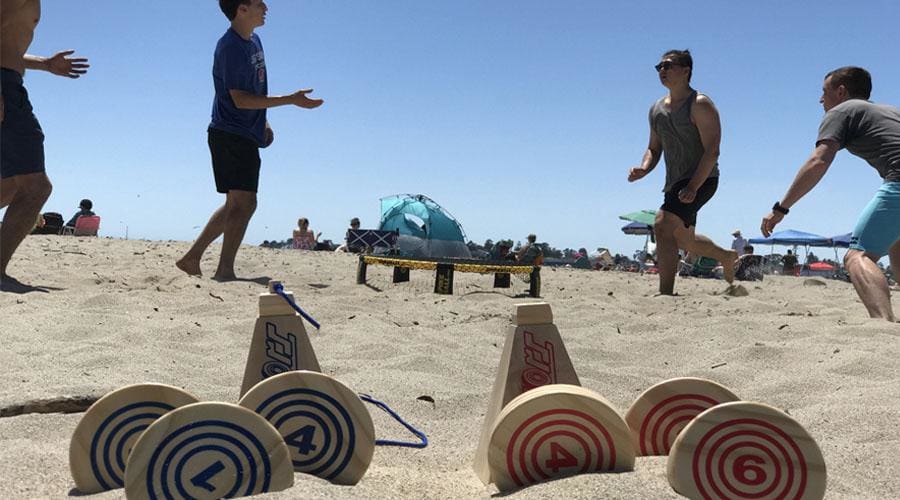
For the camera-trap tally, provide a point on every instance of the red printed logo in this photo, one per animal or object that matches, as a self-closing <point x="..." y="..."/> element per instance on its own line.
<point x="540" y="363"/>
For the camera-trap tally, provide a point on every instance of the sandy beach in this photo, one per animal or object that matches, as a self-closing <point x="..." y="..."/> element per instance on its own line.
<point x="109" y="313"/>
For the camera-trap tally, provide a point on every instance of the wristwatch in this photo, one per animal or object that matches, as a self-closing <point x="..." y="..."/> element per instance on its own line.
<point x="778" y="208"/>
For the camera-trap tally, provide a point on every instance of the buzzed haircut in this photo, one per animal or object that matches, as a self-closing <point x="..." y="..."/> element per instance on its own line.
<point x="683" y="58"/>
<point x="230" y="7"/>
<point x="856" y="80"/>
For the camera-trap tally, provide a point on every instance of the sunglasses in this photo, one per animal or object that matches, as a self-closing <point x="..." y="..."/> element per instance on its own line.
<point x="665" y="65"/>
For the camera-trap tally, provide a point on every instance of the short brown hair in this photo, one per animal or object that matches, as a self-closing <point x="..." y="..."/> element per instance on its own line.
<point x="856" y="80"/>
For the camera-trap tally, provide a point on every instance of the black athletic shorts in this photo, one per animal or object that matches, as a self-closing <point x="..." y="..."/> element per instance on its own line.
<point x="688" y="211"/>
<point x="21" y="137"/>
<point x="235" y="161"/>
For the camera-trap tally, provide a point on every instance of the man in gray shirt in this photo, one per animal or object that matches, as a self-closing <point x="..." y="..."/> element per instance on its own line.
<point x="684" y="126"/>
<point x="871" y="132"/>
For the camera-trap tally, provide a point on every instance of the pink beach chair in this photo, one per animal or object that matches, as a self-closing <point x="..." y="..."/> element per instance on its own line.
<point x="86" y="225"/>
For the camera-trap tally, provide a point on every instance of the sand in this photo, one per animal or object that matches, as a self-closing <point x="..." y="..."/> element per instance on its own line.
<point x="111" y="313"/>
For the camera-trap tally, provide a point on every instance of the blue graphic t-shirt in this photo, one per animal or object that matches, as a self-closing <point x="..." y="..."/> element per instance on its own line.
<point x="239" y="65"/>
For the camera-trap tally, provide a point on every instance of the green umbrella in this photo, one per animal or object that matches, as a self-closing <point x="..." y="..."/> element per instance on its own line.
<point x="644" y="217"/>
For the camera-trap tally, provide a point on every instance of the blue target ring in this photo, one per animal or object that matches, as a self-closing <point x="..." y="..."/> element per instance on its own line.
<point x="271" y="413"/>
<point x="202" y="425"/>
<point x="105" y="463"/>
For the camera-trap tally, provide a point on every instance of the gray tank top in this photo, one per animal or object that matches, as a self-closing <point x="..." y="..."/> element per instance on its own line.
<point x="681" y="144"/>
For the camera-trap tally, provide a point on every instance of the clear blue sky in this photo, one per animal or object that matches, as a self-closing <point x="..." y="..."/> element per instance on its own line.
<point x="517" y="116"/>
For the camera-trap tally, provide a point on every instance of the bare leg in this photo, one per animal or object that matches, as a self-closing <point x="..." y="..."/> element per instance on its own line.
<point x="894" y="254"/>
<point x="869" y="281"/>
<point x="666" y="250"/>
<point x="190" y="262"/>
<point x="698" y="244"/>
<point x="239" y="208"/>
<point x="24" y="196"/>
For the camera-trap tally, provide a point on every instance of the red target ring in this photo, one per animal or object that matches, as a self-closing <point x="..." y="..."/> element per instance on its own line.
<point x="674" y="414"/>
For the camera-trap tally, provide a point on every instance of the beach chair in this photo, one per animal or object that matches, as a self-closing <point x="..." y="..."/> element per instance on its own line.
<point x="749" y="268"/>
<point x="86" y="225"/>
<point x="373" y="239"/>
<point x="703" y="267"/>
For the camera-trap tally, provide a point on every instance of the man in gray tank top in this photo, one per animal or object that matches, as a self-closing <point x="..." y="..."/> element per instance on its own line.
<point x="872" y="132"/>
<point x="684" y="127"/>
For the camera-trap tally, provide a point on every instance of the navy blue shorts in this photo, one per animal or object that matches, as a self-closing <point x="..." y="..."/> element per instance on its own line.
<point x="687" y="212"/>
<point x="21" y="137"/>
<point x="235" y="161"/>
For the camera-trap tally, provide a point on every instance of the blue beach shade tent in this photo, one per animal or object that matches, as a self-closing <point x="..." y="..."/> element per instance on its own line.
<point x="791" y="237"/>
<point x="426" y="229"/>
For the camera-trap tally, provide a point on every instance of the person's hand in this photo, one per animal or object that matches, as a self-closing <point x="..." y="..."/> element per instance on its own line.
<point x="637" y="173"/>
<point x="270" y="136"/>
<point x="687" y="195"/>
<point x="300" y="99"/>
<point x="71" y="67"/>
<point x="769" y="222"/>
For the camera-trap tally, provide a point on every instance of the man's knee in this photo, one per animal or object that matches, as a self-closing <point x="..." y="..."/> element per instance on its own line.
<point x="241" y="202"/>
<point x="665" y="224"/>
<point x="35" y="187"/>
<point x="855" y="257"/>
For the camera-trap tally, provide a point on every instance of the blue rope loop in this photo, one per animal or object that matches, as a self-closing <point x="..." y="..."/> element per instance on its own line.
<point x="279" y="289"/>
<point x="386" y="442"/>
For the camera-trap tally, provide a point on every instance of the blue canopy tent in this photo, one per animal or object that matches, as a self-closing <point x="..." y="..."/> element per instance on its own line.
<point x="426" y="229"/>
<point x="841" y="240"/>
<point x="792" y="237"/>
<point x="637" y="228"/>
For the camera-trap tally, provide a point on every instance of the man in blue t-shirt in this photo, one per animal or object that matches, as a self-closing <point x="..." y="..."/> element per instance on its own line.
<point x="237" y="130"/>
<point x="872" y="132"/>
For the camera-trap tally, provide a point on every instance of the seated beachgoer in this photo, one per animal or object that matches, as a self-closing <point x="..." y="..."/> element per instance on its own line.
<point x="501" y="251"/>
<point x="304" y="238"/>
<point x="84" y="210"/>
<point x="789" y="262"/>
<point x="345" y="246"/>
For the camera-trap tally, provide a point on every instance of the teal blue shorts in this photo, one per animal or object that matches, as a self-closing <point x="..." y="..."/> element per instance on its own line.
<point x="878" y="228"/>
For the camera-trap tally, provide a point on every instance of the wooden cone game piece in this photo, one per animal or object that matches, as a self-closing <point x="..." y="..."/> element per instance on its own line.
<point x="326" y="426"/>
<point x="661" y="412"/>
<point x="746" y="450"/>
<point x="280" y="343"/>
<point x="533" y="355"/>
<point x="556" y="431"/>
<point x="208" y="451"/>
<point x="108" y="430"/>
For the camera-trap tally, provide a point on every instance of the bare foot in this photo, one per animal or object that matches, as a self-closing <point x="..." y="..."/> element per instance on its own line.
<point x="223" y="277"/>
<point x="728" y="266"/>
<point x="189" y="266"/>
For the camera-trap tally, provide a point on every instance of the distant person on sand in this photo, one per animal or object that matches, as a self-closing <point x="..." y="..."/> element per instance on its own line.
<point x="304" y="237"/>
<point x="84" y="210"/>
<point x="345" y="246"/>
<point x="530" y="252"/>
<point x="739" y="243"/>
<point x="788" y="262"/>
<point x="684" y="126"/>
<point x="24" y="185"/>
<point x="871" y="132"/>
<point x="237" y="131"/>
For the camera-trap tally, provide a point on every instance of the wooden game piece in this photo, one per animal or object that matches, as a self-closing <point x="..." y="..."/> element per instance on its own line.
<point x="746" y="450"/>
<point x="556" y="431"/>
<point x="208" y="451"/>
<point x="533" y="356"/>
<point x="108" y="430"/>
<point x="280" y="342"/>
<point x="327" y="428"/>
<point x="538" y="313"/>
<point x="661" y="412"/>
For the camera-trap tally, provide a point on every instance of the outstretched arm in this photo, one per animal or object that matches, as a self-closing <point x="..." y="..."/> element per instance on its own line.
<point x="245" y="100"/>
<point x="59" y="64"/>
<point x="807" y="177"/>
